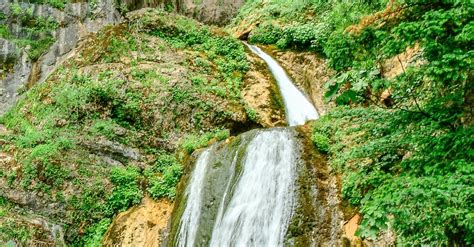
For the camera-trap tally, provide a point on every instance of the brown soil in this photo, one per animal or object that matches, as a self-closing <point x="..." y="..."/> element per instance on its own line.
<point x="396" y="65"/>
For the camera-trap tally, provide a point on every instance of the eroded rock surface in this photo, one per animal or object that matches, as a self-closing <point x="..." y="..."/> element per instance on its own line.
<point x="218" y="12"/>
<point x="261" y="93"/>
<point x="210" y="11"/>
<point x="142" y="225"/>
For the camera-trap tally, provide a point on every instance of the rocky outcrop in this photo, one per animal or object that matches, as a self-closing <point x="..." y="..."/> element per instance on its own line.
<point x="75" y="22"/>
<point x="261" y="93"/>
<point x="8" y="52"/>
<point x="142" y="225"/>
<point x="218" y="12"/>
<point x="210" y="11"/>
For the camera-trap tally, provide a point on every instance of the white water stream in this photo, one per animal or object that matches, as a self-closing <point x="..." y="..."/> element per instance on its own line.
<point x="255" y="209"/>
<point x="260" y="209"/>
<point x="298" y="108"/>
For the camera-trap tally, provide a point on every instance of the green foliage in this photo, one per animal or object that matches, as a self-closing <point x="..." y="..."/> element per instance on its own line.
<point x="407" y="163"/>
<point x="266" y="34"/>
<point x="251" y="114"/>
<point x="127" y="191"/>
<point x="412" y="176"/>
<point x="11" y="230"/>
<point x="228" y="54"/>
<point x="164" y="176"/>
<point x="95" y="233"/>
<point x="59" y="4"/>
<point x="193" y="142"/>
<point x="320" y="141"/>
<point x="303" y="25"/>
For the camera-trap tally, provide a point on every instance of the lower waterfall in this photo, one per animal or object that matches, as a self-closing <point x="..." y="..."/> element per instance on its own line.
<point x="242" y="192"/>
<point x="260" y="209"/>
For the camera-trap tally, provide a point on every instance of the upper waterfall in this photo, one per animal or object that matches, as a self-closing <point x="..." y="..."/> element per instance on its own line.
<point x="298" y="108"/>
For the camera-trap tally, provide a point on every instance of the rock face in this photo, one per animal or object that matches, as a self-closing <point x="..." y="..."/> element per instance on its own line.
<point x="210" y="11"/>
<point x="218" y="12"/>
<point x="75" y="22"/>
<point x="143" y="225"/>
<point x="261" y="93"/>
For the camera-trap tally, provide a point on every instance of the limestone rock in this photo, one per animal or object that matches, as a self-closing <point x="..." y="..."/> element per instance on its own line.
<point x="9" y="53"/>
<point x="76" y="21"/>
<point x="112" y="150"/>
<point x="142" y="225"/>
<point x="260" y="93"/>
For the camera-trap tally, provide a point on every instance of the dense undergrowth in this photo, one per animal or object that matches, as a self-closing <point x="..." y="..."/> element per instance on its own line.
<point x="116" y="122"/>
<point x="405" y="142"/>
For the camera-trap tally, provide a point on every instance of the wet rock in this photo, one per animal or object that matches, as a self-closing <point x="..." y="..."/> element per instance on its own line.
<point x="260" y="92"/>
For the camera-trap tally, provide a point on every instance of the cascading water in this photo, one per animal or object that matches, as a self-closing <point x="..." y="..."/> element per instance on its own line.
<point x="297" y="107"/>
<point x="242" y="193"/>
<point x="260" y="208"/>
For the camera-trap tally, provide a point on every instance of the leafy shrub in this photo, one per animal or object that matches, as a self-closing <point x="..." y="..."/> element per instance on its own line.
<point x="321" y="142"/>
<point x="266" y="34"/>
<point x="95" y="233"/>
<point x="396" y="168"/>
<point x="339" y="50"/>
<point x="251" y="113"/>
<point x="126" y="191"/>
<point x="165" y="185"/>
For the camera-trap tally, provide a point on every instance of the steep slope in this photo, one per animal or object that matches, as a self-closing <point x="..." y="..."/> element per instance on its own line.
<point x="115" y="122"/>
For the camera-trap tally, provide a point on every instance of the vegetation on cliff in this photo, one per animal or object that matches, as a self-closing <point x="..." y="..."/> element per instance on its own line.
<point x="36" y="32"/>
<point x="106" y="127"/>
<point x="404" y="141"/>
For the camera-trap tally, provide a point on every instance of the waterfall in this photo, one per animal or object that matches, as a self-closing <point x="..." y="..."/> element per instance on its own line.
<point x="260" y="209"/>
<point x="242" y="192"/>
<point x="189" y="220"/>
<point x="297" y="107"/>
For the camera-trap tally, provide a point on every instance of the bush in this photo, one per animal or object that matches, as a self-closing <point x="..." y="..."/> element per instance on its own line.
<point x="95" y="233"/>
<point x="339" y="51"/>
<point x="266" y="34"/>
<point x="321" y="142"/>
<point x="126" y="191"/>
